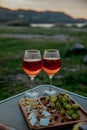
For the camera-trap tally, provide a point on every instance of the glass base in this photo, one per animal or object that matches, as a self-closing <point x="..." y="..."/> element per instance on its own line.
<point x="31" y="94"/>
<point x="50" y="92"/>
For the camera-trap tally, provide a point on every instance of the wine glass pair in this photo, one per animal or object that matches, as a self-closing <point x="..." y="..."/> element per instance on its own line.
<point x="33" y="64"/>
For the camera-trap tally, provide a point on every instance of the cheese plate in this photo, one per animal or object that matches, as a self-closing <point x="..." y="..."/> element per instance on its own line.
<point x="52" y="112"/>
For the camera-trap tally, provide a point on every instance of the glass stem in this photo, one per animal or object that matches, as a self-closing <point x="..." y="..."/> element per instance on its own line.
<point x="32" y="79"/>
<point x="50" y="77"/>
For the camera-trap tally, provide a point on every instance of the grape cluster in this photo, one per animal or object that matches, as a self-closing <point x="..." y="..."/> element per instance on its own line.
<point x="64" y="104"/>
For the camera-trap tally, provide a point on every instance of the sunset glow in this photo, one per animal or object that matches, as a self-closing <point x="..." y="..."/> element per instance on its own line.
<point x="75" y="8"/>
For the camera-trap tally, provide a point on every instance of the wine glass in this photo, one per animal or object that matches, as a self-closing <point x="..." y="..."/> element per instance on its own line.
<point x="51" y="65"/>
<point x="32" y="65"/>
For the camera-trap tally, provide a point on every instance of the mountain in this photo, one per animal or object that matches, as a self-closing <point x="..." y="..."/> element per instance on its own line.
<point x="30" y="16"/>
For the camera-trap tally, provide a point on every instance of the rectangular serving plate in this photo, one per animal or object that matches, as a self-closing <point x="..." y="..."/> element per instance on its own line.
<point x="83" y="118"/>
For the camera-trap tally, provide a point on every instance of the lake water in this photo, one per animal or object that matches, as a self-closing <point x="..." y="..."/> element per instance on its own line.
<point x="52" y="25"/>
<point x="43" y="25"/>
<point x="77" y="24"/>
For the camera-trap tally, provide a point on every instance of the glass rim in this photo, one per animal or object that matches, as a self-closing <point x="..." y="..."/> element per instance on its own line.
<point x="32" y="50"/>
<point x="51" y="50"/>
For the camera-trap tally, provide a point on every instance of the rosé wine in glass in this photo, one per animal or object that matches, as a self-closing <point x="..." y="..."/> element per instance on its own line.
<point x="51" y="65"/>
<point x="32" y="65"/>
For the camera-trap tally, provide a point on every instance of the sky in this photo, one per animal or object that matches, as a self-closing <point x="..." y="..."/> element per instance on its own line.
<point x="74" y="8"/>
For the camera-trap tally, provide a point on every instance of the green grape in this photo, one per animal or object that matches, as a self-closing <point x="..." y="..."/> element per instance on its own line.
<point x="65" y="97"/>
<point x="63" y="112"/>
<point x="58" y="105"/>
<point x="47" y="99"/>
<point x="70" y="112"/>
<point x="78" y="113"/>
<point x="68" y="99"/>
<point x="52" y="105"/>
<point x="75" y="106"/>
<point x="60" y="97"/>
<point x="68" y="106"/>
<point x="74" y="116"/>
<point x="63" y="93"/>
<point x="64" y="104"/>
<point x="54" y="99"/>
<point x="63" y="100"/>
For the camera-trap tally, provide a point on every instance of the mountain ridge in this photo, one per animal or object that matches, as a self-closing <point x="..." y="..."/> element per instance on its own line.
<point x="32" y="16"/>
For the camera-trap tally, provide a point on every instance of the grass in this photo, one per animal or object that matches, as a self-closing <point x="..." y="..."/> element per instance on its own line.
<point x="13" y="80"/>
<point x="44" y="31"/>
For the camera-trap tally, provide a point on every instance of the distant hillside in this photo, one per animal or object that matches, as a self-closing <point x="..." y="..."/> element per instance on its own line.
<point x="29" y="16"/>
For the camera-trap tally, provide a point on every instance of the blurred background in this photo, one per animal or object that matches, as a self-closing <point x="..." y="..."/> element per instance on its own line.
<point x="43" y="24"/>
